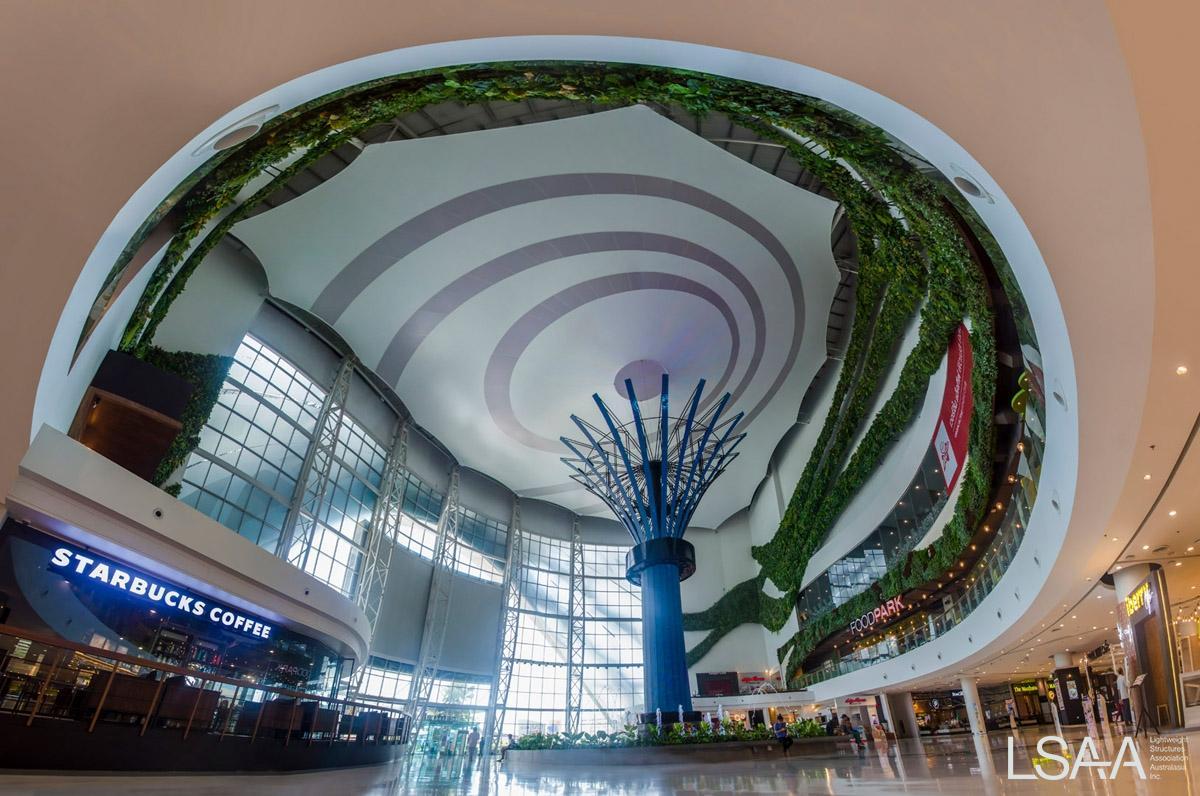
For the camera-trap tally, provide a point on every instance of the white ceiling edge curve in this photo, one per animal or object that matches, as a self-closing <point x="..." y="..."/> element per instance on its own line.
<point x="58" y="393"/>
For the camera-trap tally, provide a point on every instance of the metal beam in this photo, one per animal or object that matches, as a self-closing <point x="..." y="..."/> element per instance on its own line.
<point x="506" y="633"/>
<point x="299" y="527"/>
<point x="437" y="610"/>
<point x="576" y="629"/>
<point x="385" y="521"/>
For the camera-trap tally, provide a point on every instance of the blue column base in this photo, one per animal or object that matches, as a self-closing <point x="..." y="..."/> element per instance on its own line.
<point x="666" y="684"/>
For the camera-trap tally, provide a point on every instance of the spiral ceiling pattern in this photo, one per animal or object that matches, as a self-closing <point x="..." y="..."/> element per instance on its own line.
<point x="497" y="279"/>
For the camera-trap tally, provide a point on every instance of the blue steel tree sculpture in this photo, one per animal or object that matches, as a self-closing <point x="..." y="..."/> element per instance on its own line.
<point x="652" y="475"/>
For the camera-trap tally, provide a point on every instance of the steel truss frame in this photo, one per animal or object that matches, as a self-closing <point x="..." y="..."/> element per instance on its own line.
<point x="576" y="629"/>
<point x="385" y="521"/>
<point x="437" y="610"/>
<point x="506" y="633"/>
<point x="295" y="543"/>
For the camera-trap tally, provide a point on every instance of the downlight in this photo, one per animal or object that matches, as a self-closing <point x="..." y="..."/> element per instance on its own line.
<point x="236" y="136"/>
<point x="968" y="187"/>
<point x="966" y="182"/>
<point x="235" y="133"/>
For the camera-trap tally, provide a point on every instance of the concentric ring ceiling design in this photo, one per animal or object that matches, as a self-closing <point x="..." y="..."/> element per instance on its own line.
<point x="497" y="279"/>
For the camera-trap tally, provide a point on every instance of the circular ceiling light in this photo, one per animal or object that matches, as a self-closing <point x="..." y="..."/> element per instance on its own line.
<point x="646" y="375"/>
<point x="236" y="136"/>
<point x="968" y="187"/>
<point x="1181" y="370"/>
<point x="236" y="132"/>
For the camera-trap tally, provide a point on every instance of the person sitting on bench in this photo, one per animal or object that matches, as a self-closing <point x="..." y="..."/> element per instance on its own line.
<point x="781" y="733"/>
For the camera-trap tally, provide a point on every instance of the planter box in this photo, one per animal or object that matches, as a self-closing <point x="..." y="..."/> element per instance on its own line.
<point x="683" y="754"/>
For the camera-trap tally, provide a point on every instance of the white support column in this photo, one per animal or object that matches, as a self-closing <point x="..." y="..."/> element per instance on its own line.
<point x="885" y="718"/>
<point x="905" y="715"/>
<point x="974" y="709"/>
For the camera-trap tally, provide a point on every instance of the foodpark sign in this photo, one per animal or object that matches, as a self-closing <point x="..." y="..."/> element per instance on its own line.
<point x="884" y="613"/>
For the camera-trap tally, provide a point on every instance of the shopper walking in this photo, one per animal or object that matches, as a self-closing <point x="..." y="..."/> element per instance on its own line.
<point x="1123" y="693"/>
<point x="473" y="742"/>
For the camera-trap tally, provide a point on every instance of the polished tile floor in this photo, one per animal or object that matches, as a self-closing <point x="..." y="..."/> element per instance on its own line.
<point x="953" y="765"/>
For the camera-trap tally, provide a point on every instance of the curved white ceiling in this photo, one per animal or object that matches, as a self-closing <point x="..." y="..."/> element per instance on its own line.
<point x="497" y="279"/>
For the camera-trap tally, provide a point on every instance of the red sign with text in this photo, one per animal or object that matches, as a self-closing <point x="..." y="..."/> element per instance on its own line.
<point x="954" y="420"/>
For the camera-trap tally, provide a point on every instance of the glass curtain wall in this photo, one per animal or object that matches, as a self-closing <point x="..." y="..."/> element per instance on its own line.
<point x="611" y="613"/>
<point x="245" y="475"/>
<point x="244" y="472"/>
<point x="457" y="703"/>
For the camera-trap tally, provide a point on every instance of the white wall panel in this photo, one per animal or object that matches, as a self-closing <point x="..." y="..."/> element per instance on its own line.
<point x="213" y="313"/>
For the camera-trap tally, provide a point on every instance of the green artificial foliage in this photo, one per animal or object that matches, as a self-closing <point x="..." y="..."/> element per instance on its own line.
<point x="912" y="263"/>
<point x="924" y="264"/>
<point x="206" y="373"/>
<point x="745" y="602"/>
<point x="671" y="735"/>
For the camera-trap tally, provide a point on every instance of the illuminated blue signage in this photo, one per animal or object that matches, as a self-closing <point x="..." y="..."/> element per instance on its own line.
<point x="92" y="568"/>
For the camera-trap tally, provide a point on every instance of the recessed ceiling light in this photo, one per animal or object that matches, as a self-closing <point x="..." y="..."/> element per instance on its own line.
<point x="1145" y="547"/>
<point x="1179" y="563"/>
<point x="1181" y="370"/>
<point x="1146" y="477"/>
<point x="1172" y="513"/>
<point x="1115" y="539"/>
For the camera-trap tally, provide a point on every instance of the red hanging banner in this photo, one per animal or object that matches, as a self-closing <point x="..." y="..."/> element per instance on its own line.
<point x="954" y="420"/>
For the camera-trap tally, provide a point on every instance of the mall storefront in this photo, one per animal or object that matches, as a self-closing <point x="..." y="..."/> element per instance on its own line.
<point x="144" y="638"/>
<point x="52" y="587"/>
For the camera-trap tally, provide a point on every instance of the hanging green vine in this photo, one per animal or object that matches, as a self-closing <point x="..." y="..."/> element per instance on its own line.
<point x="206" y="373"/>
<point x="911" y="259"/>
<point x="887" y="293"/>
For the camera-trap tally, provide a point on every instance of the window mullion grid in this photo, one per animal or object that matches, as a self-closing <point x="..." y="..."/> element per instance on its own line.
<point x="297" y="539"/>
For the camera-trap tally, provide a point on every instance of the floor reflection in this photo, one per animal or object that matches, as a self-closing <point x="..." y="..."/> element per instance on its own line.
<point x="950" y="765"/>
